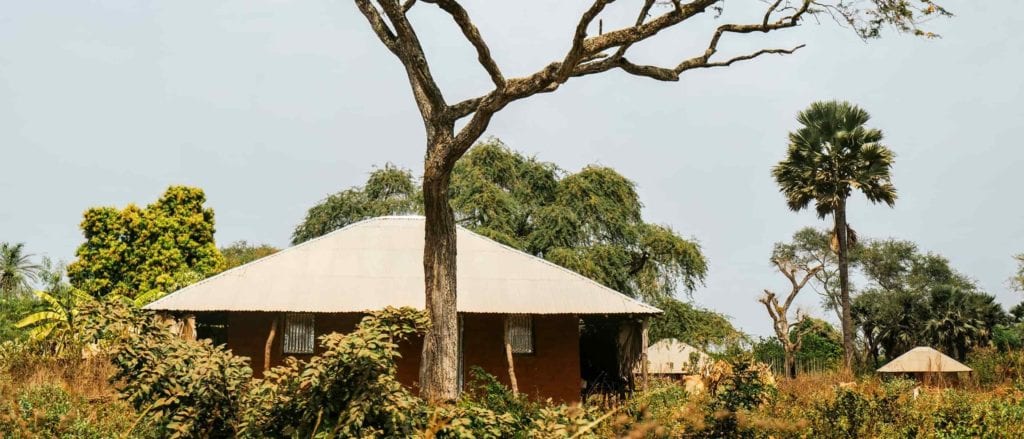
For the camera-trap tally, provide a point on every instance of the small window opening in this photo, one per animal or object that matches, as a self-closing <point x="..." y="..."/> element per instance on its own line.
<point x="520" y="333"/>
<point x="299" y="336"/>
<point x="213" y="327"/>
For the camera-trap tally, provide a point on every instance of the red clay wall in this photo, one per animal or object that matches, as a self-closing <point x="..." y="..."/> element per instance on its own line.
<point x="552" y="371"/>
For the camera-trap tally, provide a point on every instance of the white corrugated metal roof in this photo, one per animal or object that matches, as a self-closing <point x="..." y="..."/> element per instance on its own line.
<point x="377" y="263"/>
<point x="924" y="359"/>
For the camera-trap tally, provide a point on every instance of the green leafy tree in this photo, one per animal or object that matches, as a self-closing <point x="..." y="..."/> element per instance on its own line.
<point x="17" y="271"/>
<point x="832" y="154"/>
<point x="241" y="253"/>
<point x="388" y="191"/>
<point x="820" y="343"/>
<point x="146" y="251"/>
<point x="693" y="325"/>
<point x="892" y="264"/>
<point x="946" y="317"/>
<point x="589" y="221"/>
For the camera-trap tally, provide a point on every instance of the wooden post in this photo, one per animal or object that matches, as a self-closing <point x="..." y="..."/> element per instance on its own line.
<point x="270" y="344"/>
<point x="508" y="357"/>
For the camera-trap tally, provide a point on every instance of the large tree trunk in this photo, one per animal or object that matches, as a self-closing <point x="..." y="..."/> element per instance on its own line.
<point x="790" y="362"/>
<point x="440" y="361"/>
<point x="844" y="285"/>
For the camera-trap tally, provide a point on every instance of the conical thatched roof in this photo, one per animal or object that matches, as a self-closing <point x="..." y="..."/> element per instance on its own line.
<point x="924" y="359"/>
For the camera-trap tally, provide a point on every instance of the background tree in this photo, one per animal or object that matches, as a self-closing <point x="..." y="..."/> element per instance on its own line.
<point x="832" y="154"/>
<point x="698" y="327"/>
<point x="821" y="344"/>
<point x="914" y="298"/>
<point x="146" y="251"/>
<point x="388" y="191"/>
<point x="241" y="253"/>
<point x="815" y="247"/>
<point x="1017" y="281"/>
<point x="959" y="320"/>
<point x="589" y="221"/>
<point x="17" y="271"/>
<point x="799" y="265"/>
<point x="587" y="55"/>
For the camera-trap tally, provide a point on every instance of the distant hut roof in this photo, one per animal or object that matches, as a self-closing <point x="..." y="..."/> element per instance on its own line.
<point x="377" y="263"/>
<point x="671" y="356"/>
<point x="923" y="359"/>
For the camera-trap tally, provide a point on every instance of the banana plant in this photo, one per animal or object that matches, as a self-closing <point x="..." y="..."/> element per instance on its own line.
<point x="59" y="317"/>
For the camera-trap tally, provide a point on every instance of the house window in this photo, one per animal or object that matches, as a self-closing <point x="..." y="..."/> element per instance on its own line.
<point x="298" y="334"/>
<point x="213" y="327"/>
<point x="520" y="333"/>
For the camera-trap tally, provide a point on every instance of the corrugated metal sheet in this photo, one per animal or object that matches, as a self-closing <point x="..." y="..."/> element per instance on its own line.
<point x="923" y="359"/>
<point x="379" y="262"/>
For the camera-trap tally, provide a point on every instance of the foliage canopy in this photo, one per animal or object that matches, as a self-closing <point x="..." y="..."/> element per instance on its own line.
<point x="589" y="221"/>
<point x="146" y="251"/>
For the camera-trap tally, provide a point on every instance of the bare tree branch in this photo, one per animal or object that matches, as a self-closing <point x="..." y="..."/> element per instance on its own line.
<point x="472" y="34"/>
<point x="410" y="52"/>
<point x="380" y="28"/>
<point x="768" y="14"/>
<point x="576" y="51"/>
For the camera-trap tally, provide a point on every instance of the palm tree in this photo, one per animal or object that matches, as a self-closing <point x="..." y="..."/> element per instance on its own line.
<point x="17" y="270"/>
<point x="832" y="154"/>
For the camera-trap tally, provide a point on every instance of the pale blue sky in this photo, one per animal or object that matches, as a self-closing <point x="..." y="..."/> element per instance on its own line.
<point x="271" y="105"/>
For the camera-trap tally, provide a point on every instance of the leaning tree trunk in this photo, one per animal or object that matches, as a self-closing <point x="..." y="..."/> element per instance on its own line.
<point x="439" y="365"/>
<point x="844" y="285"/>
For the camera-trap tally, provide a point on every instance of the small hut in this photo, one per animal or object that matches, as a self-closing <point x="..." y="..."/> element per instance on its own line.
<point x="675" y="359"/>
<point x="926" y="365"/>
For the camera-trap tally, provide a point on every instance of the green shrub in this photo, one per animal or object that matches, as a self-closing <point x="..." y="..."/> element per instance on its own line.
<point x="349" y="391"/>
<point x="50" y="411"/>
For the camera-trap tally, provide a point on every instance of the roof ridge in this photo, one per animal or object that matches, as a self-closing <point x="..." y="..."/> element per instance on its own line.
<point x="559" y="267"/>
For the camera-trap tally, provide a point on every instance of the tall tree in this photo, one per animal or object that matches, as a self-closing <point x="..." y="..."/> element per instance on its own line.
<point x="589" y="221"/>
<point x="17" y="271"/>
<point x="833" y="153"/>
<point x="448" y="139"/>
<point x="149" y="251"/>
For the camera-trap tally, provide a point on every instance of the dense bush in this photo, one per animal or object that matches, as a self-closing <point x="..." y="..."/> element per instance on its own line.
<point x="172" y="387"/>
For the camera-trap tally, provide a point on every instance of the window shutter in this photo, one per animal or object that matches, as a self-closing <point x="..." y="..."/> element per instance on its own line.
<point x="299" y="334"/>
<point x="520" y="333"/>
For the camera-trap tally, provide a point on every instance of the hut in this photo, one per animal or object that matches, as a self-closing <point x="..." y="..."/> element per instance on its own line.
<point x="562" y="330"/>
<point x="672" y="358"/>
<point x="926" y="365"/>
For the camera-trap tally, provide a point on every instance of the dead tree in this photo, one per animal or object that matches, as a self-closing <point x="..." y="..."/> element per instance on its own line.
<point x="798" y="276"/>
<point x="587" y="55"/>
